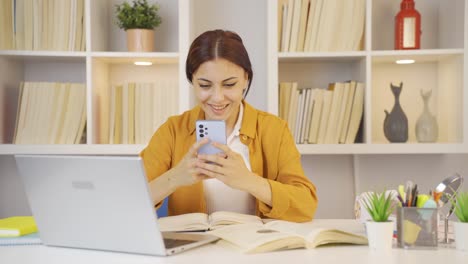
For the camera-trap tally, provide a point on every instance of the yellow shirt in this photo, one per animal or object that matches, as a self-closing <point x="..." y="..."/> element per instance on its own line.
<point x="273" y="155"/>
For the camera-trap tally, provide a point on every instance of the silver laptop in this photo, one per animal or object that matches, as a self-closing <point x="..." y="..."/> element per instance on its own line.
<point x="97" y="202"/>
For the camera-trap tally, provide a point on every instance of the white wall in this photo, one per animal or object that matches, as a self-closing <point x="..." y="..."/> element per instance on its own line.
<point x="12" y="197"/>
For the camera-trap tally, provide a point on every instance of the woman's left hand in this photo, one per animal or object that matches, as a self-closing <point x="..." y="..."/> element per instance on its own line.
<point x="228" y="168"/>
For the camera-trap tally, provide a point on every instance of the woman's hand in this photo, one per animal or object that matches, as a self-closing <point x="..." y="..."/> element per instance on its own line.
<point x="228" y="167"/>
<point x="186" y="172"/>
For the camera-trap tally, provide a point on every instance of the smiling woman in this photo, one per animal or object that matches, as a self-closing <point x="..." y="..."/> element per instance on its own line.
<point x="259" y="171"/>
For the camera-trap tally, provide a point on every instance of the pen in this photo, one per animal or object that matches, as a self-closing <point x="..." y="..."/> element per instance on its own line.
<point x="401" y="200"/>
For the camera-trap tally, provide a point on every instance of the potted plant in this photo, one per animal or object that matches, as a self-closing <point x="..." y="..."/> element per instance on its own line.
<point x="380" y="229"/>
<point x="461" y="227"/>
<point x="139" y="20"/>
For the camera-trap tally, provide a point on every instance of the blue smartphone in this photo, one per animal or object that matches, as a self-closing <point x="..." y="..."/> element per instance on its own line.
<point x="215" y="130"/>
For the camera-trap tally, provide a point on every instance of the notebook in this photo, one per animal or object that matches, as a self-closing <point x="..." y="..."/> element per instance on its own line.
<point x="31" y="239"/>
<point x="97" y="202"/>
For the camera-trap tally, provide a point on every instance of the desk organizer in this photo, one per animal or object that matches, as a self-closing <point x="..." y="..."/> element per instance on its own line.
<point x="417" y="227"/>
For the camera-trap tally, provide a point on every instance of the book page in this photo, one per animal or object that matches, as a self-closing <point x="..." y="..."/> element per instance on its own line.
<point x="185" y="222"/>
<point x="223" y="218"/>
<point x="321" y="232"/>
<point x="257" y="238"/>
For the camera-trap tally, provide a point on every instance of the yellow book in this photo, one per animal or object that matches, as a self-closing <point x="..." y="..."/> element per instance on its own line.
<point x="17" y="226"/>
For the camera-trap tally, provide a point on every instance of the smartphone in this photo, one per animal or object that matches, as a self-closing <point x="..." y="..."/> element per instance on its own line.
<point x="215" y="130"/>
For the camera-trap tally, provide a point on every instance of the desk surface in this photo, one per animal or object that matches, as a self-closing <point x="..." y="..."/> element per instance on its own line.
<point x="222" y="253"/>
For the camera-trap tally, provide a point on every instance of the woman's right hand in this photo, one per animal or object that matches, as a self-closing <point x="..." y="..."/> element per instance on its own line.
<point x="186" y="173"/>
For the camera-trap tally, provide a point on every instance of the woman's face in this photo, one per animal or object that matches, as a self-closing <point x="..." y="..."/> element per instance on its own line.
<point x="219" y="85"/>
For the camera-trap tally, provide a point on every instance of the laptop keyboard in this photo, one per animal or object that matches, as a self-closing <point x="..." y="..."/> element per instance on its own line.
<point x="172" y="243"/>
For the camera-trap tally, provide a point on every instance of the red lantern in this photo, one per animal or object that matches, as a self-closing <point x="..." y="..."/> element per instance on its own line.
<point x="407" y="27"/>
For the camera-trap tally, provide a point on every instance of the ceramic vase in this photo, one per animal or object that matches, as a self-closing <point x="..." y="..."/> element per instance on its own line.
<point x="380" y="235"/>
<point x="396" y="123"/>
<point x="140" y="40"/>
<point x="426" y="127"/>
<point x="461" y="236"/>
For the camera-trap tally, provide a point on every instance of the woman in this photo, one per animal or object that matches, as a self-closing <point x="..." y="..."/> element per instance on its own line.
<point x="260" y="171"/>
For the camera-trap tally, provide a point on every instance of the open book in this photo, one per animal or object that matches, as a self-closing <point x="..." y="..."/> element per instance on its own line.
<point x="279" y="235"/>
<point x="204" y="222"/>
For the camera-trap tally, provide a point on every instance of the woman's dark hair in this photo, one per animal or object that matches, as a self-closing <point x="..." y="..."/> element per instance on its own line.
<point x="218" y="44"/>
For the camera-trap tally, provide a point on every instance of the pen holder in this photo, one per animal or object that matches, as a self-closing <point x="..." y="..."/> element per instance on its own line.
<point x="417" y="227"/>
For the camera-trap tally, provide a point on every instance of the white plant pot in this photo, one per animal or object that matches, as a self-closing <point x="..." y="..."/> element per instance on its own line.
<point x="380" y="235"/>
<point x="461" y="236"/>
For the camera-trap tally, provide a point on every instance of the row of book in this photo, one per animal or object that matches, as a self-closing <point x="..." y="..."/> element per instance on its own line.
<point x="57" y="25"/>
<point x="320" y="25"/>
<point x="322" y="116"/>
<point x="50" y="113"/>
<point x="138" y="109"/>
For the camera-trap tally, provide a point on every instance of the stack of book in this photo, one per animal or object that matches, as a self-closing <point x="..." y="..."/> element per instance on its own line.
<point x="18" y="230"/>
<point x="138" y="109"/>
<point x="42" y="25"/>
<point x="50" y="113"/>
<point x="320" y="25"/>
<point x="322" y="116"/>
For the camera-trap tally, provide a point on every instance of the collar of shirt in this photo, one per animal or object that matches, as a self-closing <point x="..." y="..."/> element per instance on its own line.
<point x="237" y="126"/>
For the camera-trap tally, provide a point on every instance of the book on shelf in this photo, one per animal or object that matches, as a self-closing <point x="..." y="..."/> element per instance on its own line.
<point x="341" y="115"/>
<point x="42" y="25"/>
<point x="305" y="5"/>
<point x="204" y="222"/>
<point x="296" y="16"/>
<point x="319" y="25"/>
<point x="6" y="26"/>
<point x="317" y="97"/>
<point x="137" y="109"/>
<point x="308" y="109"/>
<point x="351" y="87"/>
<point x="299" y="115"/>
<point x="118" y="114"/>
<point x="281" y="7"/>
<point x="62" y="106"/>
<point x="280" y="235"/>
<point x="335" y="109"/>
<point x="287" y="31"/>
<point x="131" y="113"/>
<point x="293" y="106"/>
<point x="327" y="99"/>
<point x="356" y="113"/>
<point x="17" y="226"/>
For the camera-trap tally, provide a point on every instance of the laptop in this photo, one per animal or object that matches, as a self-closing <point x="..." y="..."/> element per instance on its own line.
<point x="97" y="202"/>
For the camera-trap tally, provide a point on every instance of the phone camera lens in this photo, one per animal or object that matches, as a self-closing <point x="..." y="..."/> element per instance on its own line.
<point x="206" y="133"/>
<point x="201" y="130"/>
<point x="200" y="126"/>
<point x="201" y="135"/>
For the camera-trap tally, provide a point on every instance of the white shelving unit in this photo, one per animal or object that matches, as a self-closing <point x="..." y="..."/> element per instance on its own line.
<point x="440" y="66"/>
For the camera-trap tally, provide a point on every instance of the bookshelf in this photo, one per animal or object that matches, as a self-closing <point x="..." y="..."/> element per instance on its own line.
<point x="440" y="66"/>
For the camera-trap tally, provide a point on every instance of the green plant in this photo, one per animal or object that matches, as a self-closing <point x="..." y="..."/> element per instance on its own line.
<point x="379" y="205"/>
<point x="461" y="206"/>
<point x="139" y="15"/>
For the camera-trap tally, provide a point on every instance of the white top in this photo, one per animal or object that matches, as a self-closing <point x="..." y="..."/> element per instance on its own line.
<point x="220" y="197"/>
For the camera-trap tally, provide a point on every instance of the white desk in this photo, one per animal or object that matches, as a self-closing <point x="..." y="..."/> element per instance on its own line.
<point x="220" y="254"/>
